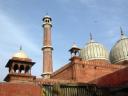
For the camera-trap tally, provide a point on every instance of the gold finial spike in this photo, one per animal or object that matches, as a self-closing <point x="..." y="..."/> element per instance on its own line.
<point x="90" y="36"/>
<point x="20" y="47"/>
<point x="122" y="33"/>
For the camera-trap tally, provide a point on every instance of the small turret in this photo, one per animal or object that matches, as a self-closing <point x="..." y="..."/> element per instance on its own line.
<point x="19" y="68"/>
<point x="74" y="54"/>
<point x="74" y="50"/>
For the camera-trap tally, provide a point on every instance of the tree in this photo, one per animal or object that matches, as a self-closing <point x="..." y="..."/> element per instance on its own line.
<point x="57" y="90"/>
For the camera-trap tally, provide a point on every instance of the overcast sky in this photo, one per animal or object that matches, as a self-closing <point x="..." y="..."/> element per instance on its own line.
<point x="73" y="20"/>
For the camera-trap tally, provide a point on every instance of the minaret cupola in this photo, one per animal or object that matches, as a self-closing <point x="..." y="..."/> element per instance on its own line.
<point x="47" y="20"/>
<point x="74" y="53"/>
<point x="74" y="50"/>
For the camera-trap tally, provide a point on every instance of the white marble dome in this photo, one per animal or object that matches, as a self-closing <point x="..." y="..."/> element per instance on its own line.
<point x="119" y="52"/>
<point x="94" y="50"/>
<point x="20" y="54"/>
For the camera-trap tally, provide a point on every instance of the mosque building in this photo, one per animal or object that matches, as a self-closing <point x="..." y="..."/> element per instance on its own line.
<point x="91" y="71"/>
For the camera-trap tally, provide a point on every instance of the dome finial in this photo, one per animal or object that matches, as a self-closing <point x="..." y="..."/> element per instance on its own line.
<point x="122" y="33"/>
<point x="91" y="39"/>
<point x="46" y="13"/>
<point x="20" y="47"/>
<point x="90" y="36"/>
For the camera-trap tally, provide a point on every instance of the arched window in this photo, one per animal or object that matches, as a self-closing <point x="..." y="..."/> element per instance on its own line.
<point x="46" y="20"/>
<point x="27" y="69"/>
<point x="22" y="69"/>
<point x="16" y="68"/>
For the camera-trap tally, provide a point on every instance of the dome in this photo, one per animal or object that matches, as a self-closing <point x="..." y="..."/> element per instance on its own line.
<point x="20" y="54"/>
<point x="93" y="50"/>
<point x="47" y="17"/>
<point x="74" y="45"/>
<point x="119" y="52"/>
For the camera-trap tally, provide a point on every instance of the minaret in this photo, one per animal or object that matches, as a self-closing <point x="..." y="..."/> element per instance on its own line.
<point x="47" y="47"/>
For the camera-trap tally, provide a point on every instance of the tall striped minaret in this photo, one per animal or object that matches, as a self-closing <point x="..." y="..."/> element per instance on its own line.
<point x="47" y="47"/>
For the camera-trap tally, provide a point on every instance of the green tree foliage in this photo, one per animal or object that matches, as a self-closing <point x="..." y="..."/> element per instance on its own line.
<point x="57" y="90"/>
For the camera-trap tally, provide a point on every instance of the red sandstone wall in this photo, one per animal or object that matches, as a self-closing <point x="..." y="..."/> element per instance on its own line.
<point x="86" y="73"/>
<point x="117" y="78"/>
<point x="93" y="72"/>
<point x="65" y="74"/>
<point x="15" y="89"/>
<point x="83" y="72"/>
